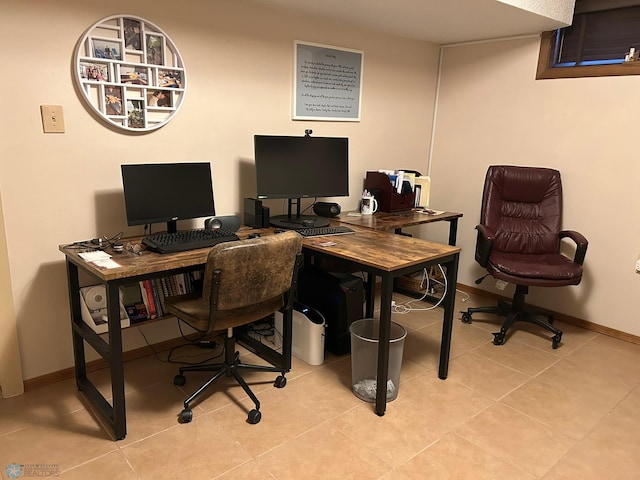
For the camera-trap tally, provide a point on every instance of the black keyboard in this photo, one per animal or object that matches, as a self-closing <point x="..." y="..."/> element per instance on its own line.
<point x="187" y="240"/>
<point x="324" y="231"/>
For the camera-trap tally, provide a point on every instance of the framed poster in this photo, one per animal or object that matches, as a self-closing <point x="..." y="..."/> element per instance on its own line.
<point x="327" y="83"/>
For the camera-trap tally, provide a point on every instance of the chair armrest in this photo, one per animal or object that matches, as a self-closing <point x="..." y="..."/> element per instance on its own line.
<point x="580" y="241"/>
<point x="484" y="244"/>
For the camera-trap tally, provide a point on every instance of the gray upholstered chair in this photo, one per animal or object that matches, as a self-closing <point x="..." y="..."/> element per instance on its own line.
<point x="519" y="239"/>
<point x="244" y="281"/>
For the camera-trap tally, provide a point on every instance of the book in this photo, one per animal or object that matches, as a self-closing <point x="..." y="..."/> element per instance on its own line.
<point x="147" y="298"/>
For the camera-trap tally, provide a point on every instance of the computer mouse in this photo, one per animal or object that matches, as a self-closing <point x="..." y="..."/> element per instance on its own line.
<point x="308" y="223"/>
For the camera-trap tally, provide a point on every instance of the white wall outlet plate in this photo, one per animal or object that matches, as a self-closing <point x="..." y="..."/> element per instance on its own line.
<point x="501" y="284"/>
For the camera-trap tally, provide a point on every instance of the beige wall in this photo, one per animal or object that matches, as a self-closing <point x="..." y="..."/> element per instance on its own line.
<point x="491" y="110"/>
<point x="60" y="188"/>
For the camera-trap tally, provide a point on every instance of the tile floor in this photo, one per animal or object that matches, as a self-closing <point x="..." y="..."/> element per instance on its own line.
<point x="518" y="411"/>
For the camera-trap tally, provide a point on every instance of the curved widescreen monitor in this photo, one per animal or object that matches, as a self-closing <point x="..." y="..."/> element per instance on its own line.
<point x="301" y="167"/>
<point x="167" y="192"/>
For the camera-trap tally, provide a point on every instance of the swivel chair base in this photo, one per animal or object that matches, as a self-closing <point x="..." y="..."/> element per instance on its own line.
<point x="516" y="311"/>
<point x="229" y="368"/>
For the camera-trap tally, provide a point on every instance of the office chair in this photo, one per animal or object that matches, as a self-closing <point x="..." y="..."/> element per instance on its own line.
<point x="519" y="239"/>
<point x="244" y="281"/>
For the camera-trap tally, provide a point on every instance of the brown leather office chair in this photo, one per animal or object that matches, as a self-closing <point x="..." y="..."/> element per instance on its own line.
<point x="518" y="241"/>
<point x="244" y="281"/>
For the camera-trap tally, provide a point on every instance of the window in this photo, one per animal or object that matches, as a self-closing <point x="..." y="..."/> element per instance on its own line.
<point x="596" y="44"/>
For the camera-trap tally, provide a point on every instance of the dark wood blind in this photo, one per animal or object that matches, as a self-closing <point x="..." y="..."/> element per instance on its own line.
<point x="600" y="36"/>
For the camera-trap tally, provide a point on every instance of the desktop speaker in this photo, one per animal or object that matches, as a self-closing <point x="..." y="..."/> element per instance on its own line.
<point x="230" y="222"/>
<point x="326" y="209"/>
<point x="255" y="214"/>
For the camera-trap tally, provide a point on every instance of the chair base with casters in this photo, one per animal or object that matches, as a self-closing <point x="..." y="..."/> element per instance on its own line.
<point x="514" y="312"/>
<point x="228" y="368"/>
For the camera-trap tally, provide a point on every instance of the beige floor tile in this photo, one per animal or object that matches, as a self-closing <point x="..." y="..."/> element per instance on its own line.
<point x="326" y="392"/>
<point x="611" y="449"/>
<point x="453" y="457"/>
<point x="449" y="402"/>
<point x="151" y="410"/>
<point x="519" y="356"/>
<point x="517" y="439"/>
<point x="249" y="471"/>
<point x="396" y="437"/>
<point x="201" y="449"/>
<point x="564" y="410"/>
<point x="65" y="441"/>
<point x="485" y="376"/>
<point x="324" y="453"/>
<point x="112" y="466"/>
<point x="282" y="420"/>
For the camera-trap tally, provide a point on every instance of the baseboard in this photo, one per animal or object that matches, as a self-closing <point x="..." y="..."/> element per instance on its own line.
<point x="578" y="322"/>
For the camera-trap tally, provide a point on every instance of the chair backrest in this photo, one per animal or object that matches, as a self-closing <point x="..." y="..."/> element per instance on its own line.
<point x="523" y="207"/>
<point x="251" y="271"/>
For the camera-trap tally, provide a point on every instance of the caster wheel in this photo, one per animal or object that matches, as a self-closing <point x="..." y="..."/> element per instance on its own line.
<point x="498" y="338"/>
<point x="254" y="417"/>
<point x="179" y="380"/>
<point x="556" y="341"/>
<point x="280" y="382"/>
<point x="466" y="317"/>
<point x="186" y="415"/>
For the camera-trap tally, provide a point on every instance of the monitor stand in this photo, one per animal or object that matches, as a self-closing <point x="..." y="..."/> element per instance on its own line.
<point x="297" y="221"/>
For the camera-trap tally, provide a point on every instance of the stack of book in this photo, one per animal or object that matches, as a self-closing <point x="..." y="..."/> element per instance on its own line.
<point x="144" y="300"/>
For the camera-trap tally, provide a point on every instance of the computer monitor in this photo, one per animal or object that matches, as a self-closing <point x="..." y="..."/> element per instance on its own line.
<point x="167" y="192"/>
<point x="293" y="168"/>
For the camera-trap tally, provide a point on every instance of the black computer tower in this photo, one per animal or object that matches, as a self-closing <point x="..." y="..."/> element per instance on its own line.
<point x="339" y="297"/>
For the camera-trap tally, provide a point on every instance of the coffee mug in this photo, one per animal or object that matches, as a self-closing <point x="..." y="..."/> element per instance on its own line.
<point x="368" y="205"/>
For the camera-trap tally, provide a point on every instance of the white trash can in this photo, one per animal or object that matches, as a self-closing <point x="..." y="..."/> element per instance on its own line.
<point x="364" y="358"/>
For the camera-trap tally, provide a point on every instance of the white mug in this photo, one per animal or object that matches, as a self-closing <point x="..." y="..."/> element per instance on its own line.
<point x="368" y="205"/>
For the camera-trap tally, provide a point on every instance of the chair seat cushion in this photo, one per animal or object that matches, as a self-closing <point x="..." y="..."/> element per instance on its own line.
<point x="194" y="310"/>
<point x="529" y="269"/>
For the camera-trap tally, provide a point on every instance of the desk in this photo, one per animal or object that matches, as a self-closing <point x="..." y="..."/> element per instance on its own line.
<point x="389" y="256"/>
<point x="398" y="220"/>
<point x="376" y="252"/>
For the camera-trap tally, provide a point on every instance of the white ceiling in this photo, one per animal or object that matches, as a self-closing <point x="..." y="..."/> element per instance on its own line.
<point x="440" y="21"/>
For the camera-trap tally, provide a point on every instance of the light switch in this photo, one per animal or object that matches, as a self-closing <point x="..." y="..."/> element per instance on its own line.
<point x="52" y="118"/>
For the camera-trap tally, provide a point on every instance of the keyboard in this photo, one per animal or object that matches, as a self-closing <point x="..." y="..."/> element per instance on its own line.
<point x="324" y="231"/>
<point x="187" y="240"/>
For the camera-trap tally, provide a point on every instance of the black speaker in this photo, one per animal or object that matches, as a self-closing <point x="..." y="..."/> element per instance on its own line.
<point x="230" y="222"/>
<point x="326" y="209"/>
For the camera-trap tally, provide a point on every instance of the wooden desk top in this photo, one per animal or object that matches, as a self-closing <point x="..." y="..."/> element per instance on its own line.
<point x="375" y="248"/>
<point x="392" y="221"/>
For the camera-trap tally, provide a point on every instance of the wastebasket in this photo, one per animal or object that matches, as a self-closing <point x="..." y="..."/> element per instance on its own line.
<point x="364" y="358"/>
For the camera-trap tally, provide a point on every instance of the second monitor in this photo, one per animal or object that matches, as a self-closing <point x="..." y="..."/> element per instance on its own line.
<point x="293" y="168"/>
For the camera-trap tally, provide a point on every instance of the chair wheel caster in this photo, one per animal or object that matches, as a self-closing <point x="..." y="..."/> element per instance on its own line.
<point x="254" y="417"/>
<point x="186" y="415"/>
<point x="466" y="317"/>
<point x="179" y="380"/>
<point x="280" y="382"/>
<point x="555" y="341"/>
<point x="498" y="338"/>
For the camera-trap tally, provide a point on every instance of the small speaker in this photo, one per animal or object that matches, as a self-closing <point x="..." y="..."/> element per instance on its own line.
<point x="254" y="213"/>
<point x="230" y="222"/>
<point x="326" y="209"/>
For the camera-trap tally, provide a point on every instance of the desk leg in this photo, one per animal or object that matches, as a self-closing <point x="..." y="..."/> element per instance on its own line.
<point x="383" y="345"/>
<point x="451" y="268"/>
<point x="453" y="231"/>
<point x="76" y="318"/>
<point x="370" y="288"/>
<point x="116" y="364"/>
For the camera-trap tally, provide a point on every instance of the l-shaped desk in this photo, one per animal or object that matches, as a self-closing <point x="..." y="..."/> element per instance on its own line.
<point x="379" y="253"/>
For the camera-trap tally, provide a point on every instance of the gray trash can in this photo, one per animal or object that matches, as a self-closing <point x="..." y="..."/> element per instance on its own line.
<point x="364" y="358"/>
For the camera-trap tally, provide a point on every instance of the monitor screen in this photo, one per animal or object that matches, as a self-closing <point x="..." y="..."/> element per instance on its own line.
<point x="167" y="192"/>
<point x="301" y="167"/>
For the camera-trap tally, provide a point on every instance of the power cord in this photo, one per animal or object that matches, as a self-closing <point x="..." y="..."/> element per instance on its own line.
<point x="406" y="307"/>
